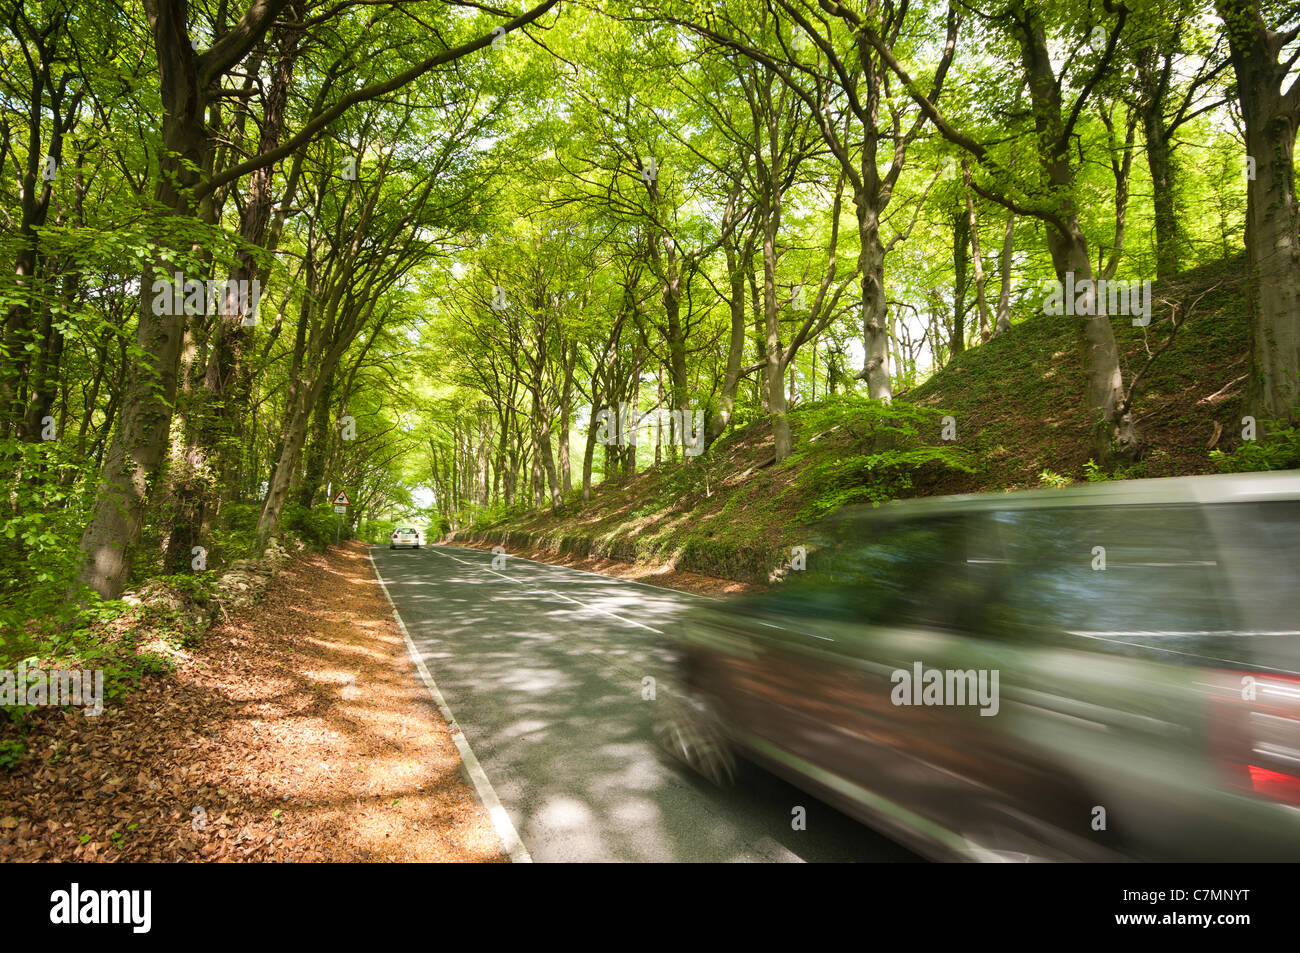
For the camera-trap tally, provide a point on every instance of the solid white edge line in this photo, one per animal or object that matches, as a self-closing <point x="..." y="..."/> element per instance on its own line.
<point x="487" y="794"/>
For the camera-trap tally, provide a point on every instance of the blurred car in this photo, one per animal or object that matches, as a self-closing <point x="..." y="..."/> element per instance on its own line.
<point x="405" y="537"/>
<point x="1116" y="672"/>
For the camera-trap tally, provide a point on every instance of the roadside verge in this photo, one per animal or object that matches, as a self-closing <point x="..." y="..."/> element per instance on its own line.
<point x="487" y="795"/>
<point x="293" y="732"/>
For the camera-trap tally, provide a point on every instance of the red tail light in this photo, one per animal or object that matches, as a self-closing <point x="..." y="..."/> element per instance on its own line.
<point x="1254" y="731"/>
<point x="1275" y="784"/>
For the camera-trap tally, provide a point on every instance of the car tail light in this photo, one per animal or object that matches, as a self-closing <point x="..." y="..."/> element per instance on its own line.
<point x="1254" y="731"/>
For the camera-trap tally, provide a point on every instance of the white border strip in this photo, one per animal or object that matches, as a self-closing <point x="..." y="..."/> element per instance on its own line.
<point x="487" y="794"/>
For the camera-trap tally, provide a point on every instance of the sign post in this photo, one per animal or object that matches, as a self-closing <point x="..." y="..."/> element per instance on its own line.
<point x="341" y="504"/>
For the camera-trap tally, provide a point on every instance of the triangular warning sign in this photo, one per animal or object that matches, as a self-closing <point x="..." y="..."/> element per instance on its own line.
<point x="342" y="499"/>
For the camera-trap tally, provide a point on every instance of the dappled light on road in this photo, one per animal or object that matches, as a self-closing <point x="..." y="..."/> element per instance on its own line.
<point x="544" y="671"/>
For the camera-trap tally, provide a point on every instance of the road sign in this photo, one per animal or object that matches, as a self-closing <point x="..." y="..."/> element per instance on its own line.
<point x="342" y="499"/>
<point x="340" y="509"/>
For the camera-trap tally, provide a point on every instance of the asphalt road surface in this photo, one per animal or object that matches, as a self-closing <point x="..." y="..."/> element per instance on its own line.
<point x="543" y="669"/>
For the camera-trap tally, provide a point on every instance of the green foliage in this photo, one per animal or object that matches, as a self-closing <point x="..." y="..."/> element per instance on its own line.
<point x="516" y="168"/>
<point x="13" y="752"/>
<point x="176" y="607"/>
<point x="378" y="532"/>
<point x="39" y="538"/>
<point x="492" y="516"/>
<point x="882" y="448"/>
<point x="727" y="558"/>
<point x="125" y="672"/>
<point x="1054" y="479"/>
<point x="197" y="587"/>
<point x="237" y="537"/>
<point x="314" y="525"/>
<point x="1278" y="448"/>
<point x="679" y="484"/>
<point x="1096" y="473"/>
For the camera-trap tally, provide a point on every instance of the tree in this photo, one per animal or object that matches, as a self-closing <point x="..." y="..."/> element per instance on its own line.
<point x="187" y="80"/>
<point x="1053" y="198"/>
<point x="1271" y="110"/>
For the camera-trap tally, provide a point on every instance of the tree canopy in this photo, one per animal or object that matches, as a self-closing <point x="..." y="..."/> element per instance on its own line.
<point x="457" y="258"/>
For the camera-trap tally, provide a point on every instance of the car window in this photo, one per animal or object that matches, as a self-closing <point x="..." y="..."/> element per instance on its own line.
<point x="913" y="572"/>
<point x="1259" y="556"/>
<point x="1131" y="577"/>
<point x="1186" y="583"/>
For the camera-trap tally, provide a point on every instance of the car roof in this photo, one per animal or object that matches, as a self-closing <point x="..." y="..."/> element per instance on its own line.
<point x="1218" y="488"/>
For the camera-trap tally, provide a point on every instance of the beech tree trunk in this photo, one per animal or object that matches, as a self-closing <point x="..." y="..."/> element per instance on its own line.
<point x="138" y="446"/>
<point x="1113" y="430"/>
<point x="1272" y="219"/>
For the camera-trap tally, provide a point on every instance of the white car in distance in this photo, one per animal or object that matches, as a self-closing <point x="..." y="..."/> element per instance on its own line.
<point x="405" y="536"/>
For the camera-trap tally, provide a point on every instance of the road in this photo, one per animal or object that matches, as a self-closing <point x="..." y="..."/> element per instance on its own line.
<point x="543" y="668"/>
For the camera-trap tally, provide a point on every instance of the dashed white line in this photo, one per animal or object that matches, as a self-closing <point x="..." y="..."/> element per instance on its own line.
<point x="558" y="595"/>
<point x="611" y="579"/>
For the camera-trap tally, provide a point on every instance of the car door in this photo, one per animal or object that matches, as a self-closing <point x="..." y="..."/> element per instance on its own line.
<point x="885" y="597"/>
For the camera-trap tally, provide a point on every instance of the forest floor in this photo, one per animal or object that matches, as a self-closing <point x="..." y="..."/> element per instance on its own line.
<point x="295" y="731"/>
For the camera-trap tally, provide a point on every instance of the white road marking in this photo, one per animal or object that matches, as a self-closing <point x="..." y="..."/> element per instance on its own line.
<point x="487" y="794"/>
<point x="766" y="847"/>
<point x="558" y="595"/>
<point x="599" y="575"/>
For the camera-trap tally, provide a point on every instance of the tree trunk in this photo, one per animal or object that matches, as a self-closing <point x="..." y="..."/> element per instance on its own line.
<point x="718" y="422"/>
<point x="960" y="241"/>
<point x="221" y="399"/>
<point x="141" y="439"/>
<point x="976" y="255"/>
<point x="1171" y="238"/>
<point x="875" y="328"/>
<point x="589" y="451"/>
<point x="1272" y="218"/>
<point x="774" y="370"/>
<point x="1112" y="430"/>
<point x="318" y="448"/>
<point x="1002" y="323"/>
<point x="566" y="415"/>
